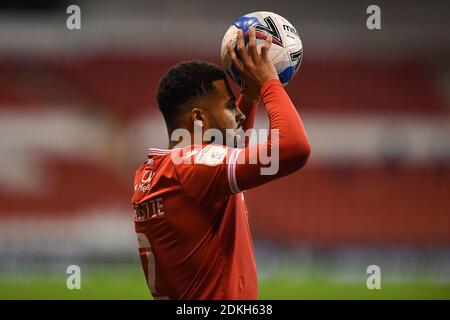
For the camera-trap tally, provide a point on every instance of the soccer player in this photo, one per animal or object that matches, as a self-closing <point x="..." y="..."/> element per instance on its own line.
<point x="190" y="216"/>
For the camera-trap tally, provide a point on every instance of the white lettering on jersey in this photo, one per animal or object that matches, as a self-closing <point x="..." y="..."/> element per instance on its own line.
<point x="152" y="208"/>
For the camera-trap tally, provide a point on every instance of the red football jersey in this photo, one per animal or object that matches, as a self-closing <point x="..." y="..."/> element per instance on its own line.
<point x="190" y="215"/>
<point x="192" y="225"/>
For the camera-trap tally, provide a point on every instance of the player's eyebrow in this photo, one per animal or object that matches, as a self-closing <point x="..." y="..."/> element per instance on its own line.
<point x="231" y="102"/>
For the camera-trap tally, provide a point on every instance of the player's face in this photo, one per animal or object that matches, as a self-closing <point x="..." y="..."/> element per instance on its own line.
<point x="223" y="113"/>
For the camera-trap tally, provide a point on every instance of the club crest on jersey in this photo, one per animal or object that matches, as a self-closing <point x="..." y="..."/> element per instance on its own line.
<point x="211" y="155"/>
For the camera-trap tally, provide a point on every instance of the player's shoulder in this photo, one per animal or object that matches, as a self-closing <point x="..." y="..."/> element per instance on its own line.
<point x="203" y="155"/>
<point x="210" y="155"/>
<point x="157" y="160"/>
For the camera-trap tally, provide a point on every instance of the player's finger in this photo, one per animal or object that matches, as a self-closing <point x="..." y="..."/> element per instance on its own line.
<point x="241" y="47"/>
<point x="252" y="44"/>
<point x="266" y="46"/>
<point x="234" y="59"/>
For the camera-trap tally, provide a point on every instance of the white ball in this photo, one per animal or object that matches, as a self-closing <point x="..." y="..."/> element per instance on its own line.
<point x="286" y="50"/>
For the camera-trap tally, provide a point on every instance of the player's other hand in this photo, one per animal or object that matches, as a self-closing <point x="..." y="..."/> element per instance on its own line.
<point x="255" y="68"/>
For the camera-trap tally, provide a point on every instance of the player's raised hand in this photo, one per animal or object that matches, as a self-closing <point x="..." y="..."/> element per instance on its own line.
<point x="256" y="68"/>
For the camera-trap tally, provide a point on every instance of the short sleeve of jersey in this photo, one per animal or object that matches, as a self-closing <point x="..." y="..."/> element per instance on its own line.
<point x="208" y="173"/>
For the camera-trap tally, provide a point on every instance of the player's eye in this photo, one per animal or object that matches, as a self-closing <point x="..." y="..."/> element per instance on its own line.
<point x="231" y="105"/>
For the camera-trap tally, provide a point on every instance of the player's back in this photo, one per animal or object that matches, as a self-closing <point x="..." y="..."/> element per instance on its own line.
<point x="194" y="237"/>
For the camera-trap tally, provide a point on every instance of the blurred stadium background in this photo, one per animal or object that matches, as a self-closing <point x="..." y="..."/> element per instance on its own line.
<point x="77" y="114"/>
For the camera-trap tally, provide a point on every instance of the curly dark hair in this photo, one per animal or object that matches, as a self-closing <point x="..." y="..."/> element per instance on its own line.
<point x="184" y="82"/>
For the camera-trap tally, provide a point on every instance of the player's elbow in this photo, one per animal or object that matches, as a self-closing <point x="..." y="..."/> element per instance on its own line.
<point x="297" y="154"/>
<point x="302" y="154"/>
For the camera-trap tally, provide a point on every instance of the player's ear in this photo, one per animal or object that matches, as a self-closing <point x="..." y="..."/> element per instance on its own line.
<point x="198" y="116"/>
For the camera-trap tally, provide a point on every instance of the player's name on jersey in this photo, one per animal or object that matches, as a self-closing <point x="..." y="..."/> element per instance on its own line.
<point x="152" y="208"/>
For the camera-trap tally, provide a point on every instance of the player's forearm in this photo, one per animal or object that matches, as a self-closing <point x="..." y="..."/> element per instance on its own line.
<point x="293" y="145"/>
